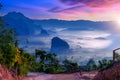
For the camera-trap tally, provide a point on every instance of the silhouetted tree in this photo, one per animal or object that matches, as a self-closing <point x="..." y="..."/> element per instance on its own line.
<point x="70" y="66"/>
<point x="41" y="54"/>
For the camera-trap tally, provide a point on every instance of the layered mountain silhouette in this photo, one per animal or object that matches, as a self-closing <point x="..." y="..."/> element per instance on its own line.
<point x="76" y="25"/>
<point x="22" y="24"/>
<point x="26" y="26"/>
<point x="59" y="46"/>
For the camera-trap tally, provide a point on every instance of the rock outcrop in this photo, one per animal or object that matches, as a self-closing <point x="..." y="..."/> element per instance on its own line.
<point x="5" y="74"/>
<point x="59" y="46"/>
<point x="112" y="73"/>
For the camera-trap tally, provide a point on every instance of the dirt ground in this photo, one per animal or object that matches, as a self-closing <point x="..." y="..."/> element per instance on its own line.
<point x="70" y="76"/>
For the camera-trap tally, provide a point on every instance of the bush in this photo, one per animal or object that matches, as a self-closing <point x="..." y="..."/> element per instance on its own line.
<point x="34" y="67"/>
<point x="70" y="66"/>
<point x="54" y="70"/>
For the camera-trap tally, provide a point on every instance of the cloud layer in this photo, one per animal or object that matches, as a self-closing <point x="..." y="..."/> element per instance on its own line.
<point x="91" y="3"/>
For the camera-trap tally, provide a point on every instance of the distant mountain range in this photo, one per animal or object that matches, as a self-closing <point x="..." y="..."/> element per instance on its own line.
<point x="75" y="25"/>
<point x="26" y="26"/>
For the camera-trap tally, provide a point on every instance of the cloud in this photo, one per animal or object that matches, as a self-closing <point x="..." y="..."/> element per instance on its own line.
<point x="84" y="44"/>
<point x="100" y="38"/>
<point x="83" y="5"/>
<point x="96" y="10"/>
<point x="87" y="39"/>
<point x="59" y="29"/>
<point x="60" y="9"/>
<point x="91" y="3"/>
<point x="95" y="44"/>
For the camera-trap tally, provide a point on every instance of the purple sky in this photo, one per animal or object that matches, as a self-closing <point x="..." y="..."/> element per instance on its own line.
<point x="65" y="9"/>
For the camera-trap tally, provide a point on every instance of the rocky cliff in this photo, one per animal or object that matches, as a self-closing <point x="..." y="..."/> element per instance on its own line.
<point x="59" y="46"/>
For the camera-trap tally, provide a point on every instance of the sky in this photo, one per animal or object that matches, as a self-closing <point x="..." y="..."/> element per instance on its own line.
<point x="95" y="10"/>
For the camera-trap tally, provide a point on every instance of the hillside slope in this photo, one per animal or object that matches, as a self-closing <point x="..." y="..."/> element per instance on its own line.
<point x="5" y="74"/>
<point x="112" y="73"/>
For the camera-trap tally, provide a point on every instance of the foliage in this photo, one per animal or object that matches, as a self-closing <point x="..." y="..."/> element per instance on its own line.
<point x="34" y="66"/>
<point x="91" y="65"/>
<point x="41" y="54"/>
<point x="8" y="51"/>
<point x="27" y="61"/>
<point x="48" y="62"/>
<point x="70" y="66"/>
<point x="53" y="69"/>
<point x="117" y="57"/>
<point x="10" y="55"/>
<point x="104" y="64"/>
